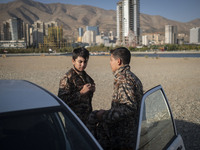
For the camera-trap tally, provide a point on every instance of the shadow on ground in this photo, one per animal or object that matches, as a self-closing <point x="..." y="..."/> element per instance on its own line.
<point x="190" y="133"/>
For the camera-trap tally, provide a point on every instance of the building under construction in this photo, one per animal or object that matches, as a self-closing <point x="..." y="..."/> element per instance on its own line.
<point x="54" y="39"/>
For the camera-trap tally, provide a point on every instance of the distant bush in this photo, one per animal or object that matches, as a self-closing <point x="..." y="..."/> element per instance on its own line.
<point x="102" y="48"/>
<point x="175" y="47"/>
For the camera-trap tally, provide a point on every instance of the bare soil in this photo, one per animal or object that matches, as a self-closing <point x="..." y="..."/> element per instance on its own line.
<point x="180" y="78"/>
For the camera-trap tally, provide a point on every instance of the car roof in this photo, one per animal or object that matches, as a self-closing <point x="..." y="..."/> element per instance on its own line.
<point x="18" y="95"/>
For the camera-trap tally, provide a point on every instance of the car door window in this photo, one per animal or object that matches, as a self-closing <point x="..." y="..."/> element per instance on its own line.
<point x="156" y="123"/>
<point x="31" y="131"/>
<point x="52" y="130"/>
<point x="76" y="135"/>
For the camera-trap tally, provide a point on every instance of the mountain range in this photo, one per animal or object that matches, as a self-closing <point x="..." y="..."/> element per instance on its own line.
<point x="72" y="17"/>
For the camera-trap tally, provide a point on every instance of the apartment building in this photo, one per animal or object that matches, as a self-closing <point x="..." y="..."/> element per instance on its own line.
<point x="128" y="21"/>
<point x="170" y="34"/>
<point x="195" y="35"/>
<point x="153" y="39"/>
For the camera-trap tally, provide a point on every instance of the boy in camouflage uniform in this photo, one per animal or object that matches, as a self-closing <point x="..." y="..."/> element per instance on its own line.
<point x="116" y="128"/>
<point x="76" y="88"/>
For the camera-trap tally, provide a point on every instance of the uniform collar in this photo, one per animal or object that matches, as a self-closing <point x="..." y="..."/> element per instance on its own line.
<point x="121" y="69"/>
<point x="78" y="72"/>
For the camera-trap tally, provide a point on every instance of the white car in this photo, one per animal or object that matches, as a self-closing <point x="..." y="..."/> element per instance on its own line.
<point x="33" y="118"/>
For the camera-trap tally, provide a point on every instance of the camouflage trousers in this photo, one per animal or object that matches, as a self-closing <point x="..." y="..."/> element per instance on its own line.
<point x="113" y="136"/>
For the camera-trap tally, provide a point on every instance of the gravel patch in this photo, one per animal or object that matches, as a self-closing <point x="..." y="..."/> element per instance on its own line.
<point x="179" y="77"/>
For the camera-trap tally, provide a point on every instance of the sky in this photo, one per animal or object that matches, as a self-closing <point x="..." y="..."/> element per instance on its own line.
<point x="178" y="10"/>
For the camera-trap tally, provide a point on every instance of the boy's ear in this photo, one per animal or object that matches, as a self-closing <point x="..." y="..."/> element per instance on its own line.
<point x="73" y="61"/>
<point x="119" y="61"/>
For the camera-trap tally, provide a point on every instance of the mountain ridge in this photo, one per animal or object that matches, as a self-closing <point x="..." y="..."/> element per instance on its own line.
<point x="72" y="17"/>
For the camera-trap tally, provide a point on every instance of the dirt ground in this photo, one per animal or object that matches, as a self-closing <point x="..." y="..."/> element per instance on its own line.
<point x="180" y="78"/>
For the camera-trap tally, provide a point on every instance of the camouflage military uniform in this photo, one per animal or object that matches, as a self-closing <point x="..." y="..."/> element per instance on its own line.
<point x="69" y="91"/>
<point x="118" y="127"/>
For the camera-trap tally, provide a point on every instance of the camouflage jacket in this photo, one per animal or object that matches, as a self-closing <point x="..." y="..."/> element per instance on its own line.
<point x="69" y="91"/>
<point x="118" y="127"/>
<point x="127" y="94"/>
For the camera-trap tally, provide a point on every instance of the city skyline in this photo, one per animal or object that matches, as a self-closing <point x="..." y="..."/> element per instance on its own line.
<point x="178" y="10"/>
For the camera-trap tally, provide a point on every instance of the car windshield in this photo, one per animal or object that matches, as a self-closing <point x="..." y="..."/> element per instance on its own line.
<point x="55" y="130"/>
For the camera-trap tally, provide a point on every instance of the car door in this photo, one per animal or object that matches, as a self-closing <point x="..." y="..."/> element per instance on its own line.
<point x="157" y="129"/>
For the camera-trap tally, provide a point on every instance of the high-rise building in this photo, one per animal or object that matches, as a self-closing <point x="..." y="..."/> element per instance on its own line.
<point x="0" y="32"/>
<point x="120" y="22"/>
<point x="128" y="21"/>
<point x="48" y="25"/>
<point x="6" y="33"/>
<point x="80" y="34"/>
<point x="31" y="35"/>
<point x="89" y="37"/>
<point x="38" y="32"/>
<point x="54" y="39"/>
<point x="111" y="35"/>
<point x="13" y="33"/>
<point x="16" y="28"/>
<point x="195" y="35"/>
<point x="170" y="34"/>
<point x="93" y="28"/>
<point x="13" y="29"/>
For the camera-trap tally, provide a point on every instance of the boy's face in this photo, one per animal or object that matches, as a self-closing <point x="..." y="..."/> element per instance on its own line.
<point x="80" y="63"/>
<point x="114" y="63"/>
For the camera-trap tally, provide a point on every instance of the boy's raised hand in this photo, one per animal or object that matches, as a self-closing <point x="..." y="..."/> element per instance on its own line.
<point x="87" y="87"/>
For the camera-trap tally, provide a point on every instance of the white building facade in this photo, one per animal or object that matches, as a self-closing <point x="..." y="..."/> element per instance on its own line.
<point x="128" y="20"/>
<point x="89" y="37"/>
<point x="195" y="35"/>
<point x="170" y="34"/>
<point x="153" y="39"/>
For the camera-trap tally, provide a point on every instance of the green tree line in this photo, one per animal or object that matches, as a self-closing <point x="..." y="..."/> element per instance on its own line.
<point x="102" y="48"/>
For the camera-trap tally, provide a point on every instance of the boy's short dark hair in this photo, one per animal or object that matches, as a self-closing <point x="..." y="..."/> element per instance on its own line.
<point x="122" y="53"/>
<point x="80" y="52"/>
